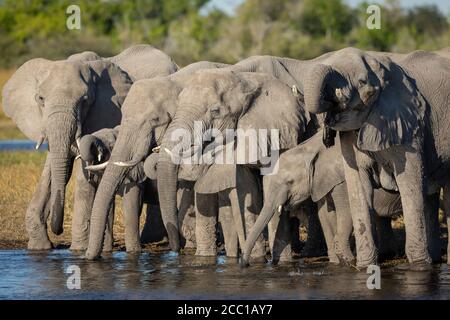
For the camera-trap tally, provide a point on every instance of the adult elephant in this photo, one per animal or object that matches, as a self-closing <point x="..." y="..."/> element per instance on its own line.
<point x="63" y="100"/>
<point x="147" y="112"/>
<point x="395" y="111"/>
<point x="312" y="171"/>
<point x="221" y="100"/>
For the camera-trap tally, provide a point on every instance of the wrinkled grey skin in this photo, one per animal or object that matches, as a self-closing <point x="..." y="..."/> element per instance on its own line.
<point x="63" y="100"/>
<point x="147" y="111"/>
<point x="394" y="110"/>
<point x="212" y="206"/>
<point x="96" y="148"/>
<point x="312" y="171"/>
<point x="227" y="100"/>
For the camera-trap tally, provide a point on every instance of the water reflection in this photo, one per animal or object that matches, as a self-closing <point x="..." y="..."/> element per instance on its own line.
<point x="29" y="275"/>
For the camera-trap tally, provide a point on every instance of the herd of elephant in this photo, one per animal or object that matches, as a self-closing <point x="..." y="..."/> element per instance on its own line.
<point x="363" y="137"/>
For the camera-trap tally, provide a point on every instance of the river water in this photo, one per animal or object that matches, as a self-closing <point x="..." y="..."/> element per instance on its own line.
<point x="29" y="275"/>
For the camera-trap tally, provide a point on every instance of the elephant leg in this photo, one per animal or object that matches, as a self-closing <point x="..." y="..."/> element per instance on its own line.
<point x="228" y="228"/>
<point x="344" y="224"/>
<point x="84" y="199"/>
<point x="447" y="214"/>
<point x="205" y="224"/>
<point x="408" y="170"/>
<point x="38" y="211"/>
<point x="328" y="223"/>
<point x="359" y="207"/>
<point x="315" y="244"/>
<point x="433" y="228"/>
<point x="280" y="238"/>
<point x="108" y="236"/>
<point x="244" y="206"/>
<point x="186" y="216"/>
<point x="132" y="207"/>
<point x="387" y="241"/>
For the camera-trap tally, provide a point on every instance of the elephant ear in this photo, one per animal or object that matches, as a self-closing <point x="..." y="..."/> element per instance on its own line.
<point x="144" y="62"/>
<point x="396" y="116"/>
<point x="191" y="172"/>
<point x="19" y="97"/>
<point x="84" y="56"/>
<point x="217" y="178"/>
<point x="326" y="172"/>
<point x="111" y="85"/>
<point x="220" y="174"/>
<point x="277" y="117"/>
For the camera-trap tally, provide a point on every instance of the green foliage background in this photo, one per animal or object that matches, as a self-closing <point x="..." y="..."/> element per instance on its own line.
<point x="185" y="30"/>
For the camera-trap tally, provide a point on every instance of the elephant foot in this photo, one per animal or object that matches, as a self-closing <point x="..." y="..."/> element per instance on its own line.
<point x="135" y="248"/>
<point x="107" y="247"/>
<point x="189" y="244"/>
<point x="346" y="258"/>
<point x="78" y="246"/>
<point x="244" y="263"/>
<point x="333" y="258"/>
<point x="39" y="244"/>
<point x="208" y="252"/>
<point x="260" y="259"/>
<point x="91" y="256"/>
<point x="364" y="262"/>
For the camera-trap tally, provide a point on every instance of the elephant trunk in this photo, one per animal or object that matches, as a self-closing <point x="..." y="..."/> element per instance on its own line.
<point x="60" y="132"/>
<point x="317" y="98"/>
<point x="167" y="178"/>
<point x="272" y="205"/>
<point x="124" y="149"/>
<point x="106" y="191"/>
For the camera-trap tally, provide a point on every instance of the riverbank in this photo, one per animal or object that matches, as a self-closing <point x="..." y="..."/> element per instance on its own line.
<point x="19" y="175"/>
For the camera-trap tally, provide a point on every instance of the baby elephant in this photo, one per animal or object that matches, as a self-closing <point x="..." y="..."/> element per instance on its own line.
<point x="312" y="171"/>
<point x="95" y="150"/>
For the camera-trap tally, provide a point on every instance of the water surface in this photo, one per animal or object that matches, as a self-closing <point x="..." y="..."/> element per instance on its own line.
<point x="29" y="275"/>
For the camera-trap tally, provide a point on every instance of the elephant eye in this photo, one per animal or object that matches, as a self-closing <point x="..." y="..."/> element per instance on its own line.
<point x="39" y="99"/>
<point x="362" y="82"/>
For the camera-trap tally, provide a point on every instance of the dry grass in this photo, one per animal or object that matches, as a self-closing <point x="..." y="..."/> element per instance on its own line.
<point x="19" y="175"/>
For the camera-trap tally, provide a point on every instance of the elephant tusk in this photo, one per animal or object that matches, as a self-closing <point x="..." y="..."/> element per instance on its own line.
<point x="78" y="157"/>
<point x="339" y="93"/>
<point x="40" y="142"/>
<point x="128" y="164"/>
<point x="78" y="143"/>
<point x="156" y="149"/>
<point x="168" y="152"/>
<point x="99" y="157"/>
<point x="280" y="207"/>
<point x="97" y="167"/>
<point x="295" y="90"/>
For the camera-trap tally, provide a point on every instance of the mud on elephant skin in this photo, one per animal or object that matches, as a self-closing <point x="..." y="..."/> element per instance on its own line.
<point x="60" y="101"/>
<point x="312" y="171"/>
<point x="393" y="106"/>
